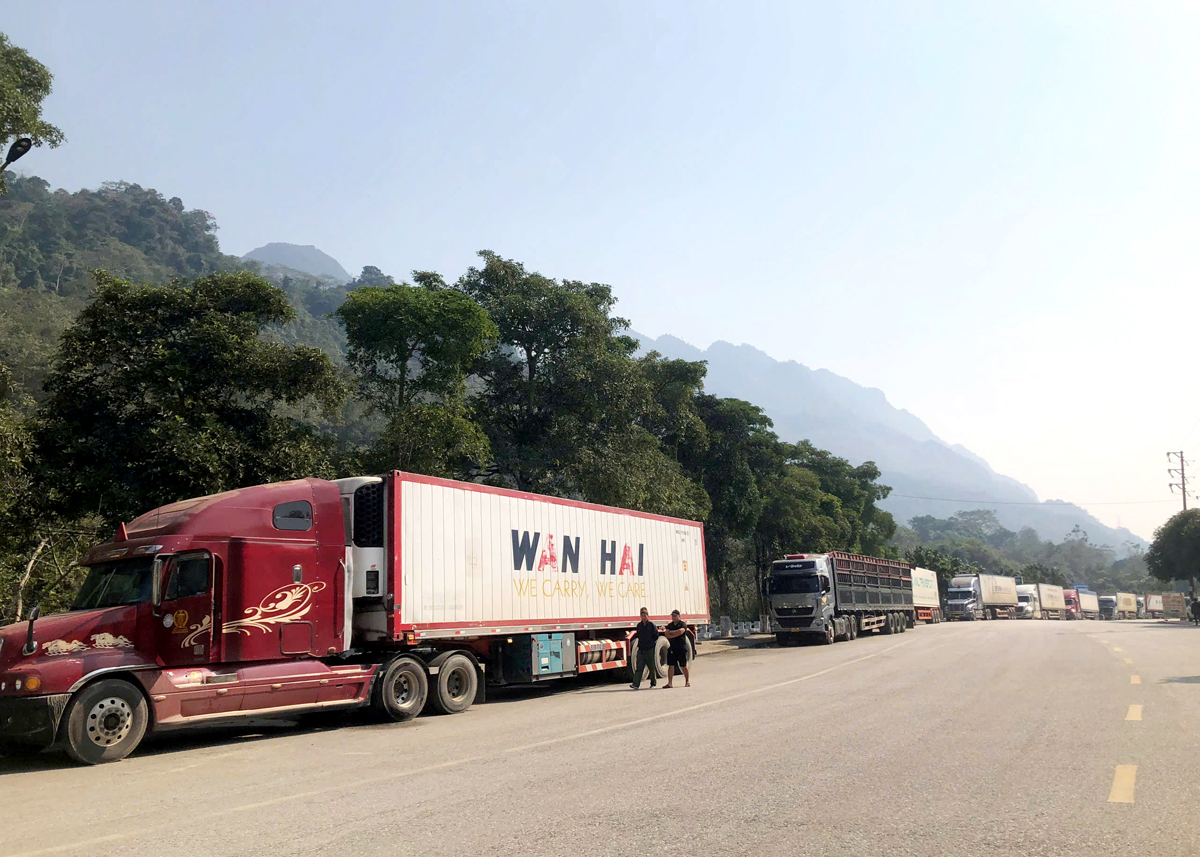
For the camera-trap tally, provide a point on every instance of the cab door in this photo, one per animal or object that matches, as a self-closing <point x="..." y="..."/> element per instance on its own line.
<point x="184" y="631"/>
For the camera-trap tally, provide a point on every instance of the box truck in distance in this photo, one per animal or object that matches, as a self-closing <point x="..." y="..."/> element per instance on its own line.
<point x="1081" y="604"/>
<point x="312" y="595"/>
<point x="1053" y="604"/>
<point x="981" y="596"/>
<point x="927" y="602"/>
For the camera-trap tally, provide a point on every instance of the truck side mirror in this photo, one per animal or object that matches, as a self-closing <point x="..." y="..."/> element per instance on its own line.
<point x="156" y="575"/>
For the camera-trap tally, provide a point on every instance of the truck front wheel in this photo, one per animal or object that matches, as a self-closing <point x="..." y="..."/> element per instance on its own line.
<point x="401" y="691"/>
<point x="853" y="621"/>
<point x="830" y="634"/>
<point x="104" y="722"/>
<point x="456" y="685"/>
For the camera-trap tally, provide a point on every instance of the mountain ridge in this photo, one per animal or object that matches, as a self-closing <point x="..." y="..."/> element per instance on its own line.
<point x="304" y="258"/>
<point x="858" y="423"/>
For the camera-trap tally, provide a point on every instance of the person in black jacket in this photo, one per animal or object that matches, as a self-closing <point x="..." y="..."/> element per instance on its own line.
<point x="677" y="655"/>
<point x="646" y="635"/>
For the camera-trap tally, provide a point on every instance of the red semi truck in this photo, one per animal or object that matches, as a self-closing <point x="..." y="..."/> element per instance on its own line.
<point x="311" y="595"/>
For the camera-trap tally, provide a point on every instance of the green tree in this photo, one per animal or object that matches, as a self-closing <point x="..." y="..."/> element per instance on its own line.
<point x="24" y="85"/>
<point x="858" y="490"/>
<point x="166" y="392"/>
<point x="561" y="396"/>
<point x="1175" y="552"/>
<point x="410" y="348"/>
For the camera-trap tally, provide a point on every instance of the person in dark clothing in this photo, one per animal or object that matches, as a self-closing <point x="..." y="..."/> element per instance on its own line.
<point x="1196" y="612"/>
<point x="677" y="654"/>
<point x="646" y="635"/>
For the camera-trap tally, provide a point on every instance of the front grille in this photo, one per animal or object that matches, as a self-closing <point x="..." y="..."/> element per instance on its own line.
<point x="793" y="611"/>
<point x="793" y="622"/>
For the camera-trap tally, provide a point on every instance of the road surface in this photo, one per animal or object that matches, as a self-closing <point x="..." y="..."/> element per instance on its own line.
<point x="1020" y="737"/>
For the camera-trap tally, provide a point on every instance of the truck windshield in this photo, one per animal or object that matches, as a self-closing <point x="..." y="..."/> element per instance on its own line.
<point x="793" y="584"/>
<point x="113" y="584"/>
<point x="961" y="594"/>
<point x="1024" y="599"/>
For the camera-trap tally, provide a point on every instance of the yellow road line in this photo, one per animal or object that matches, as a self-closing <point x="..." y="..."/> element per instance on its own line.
<point x="1122" y="787"/>
<point x="1116" y="648"/>
<point x="1135" y="713"/>
<point x="1135" y="679"/>
<point x="1129" y="660"/>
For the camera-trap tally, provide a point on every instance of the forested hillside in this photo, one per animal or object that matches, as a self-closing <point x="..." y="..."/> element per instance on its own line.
<point x="147" y="366"/>
<point x="140" y="365"/>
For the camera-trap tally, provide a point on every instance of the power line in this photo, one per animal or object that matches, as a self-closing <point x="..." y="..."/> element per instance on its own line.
<point x="1029" y="502"/>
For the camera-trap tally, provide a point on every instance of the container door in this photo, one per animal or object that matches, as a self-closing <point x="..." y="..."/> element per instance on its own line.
<point x="184" y="630"/>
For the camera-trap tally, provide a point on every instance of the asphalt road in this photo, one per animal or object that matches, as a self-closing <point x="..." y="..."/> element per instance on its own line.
<point x="956" y="739"/>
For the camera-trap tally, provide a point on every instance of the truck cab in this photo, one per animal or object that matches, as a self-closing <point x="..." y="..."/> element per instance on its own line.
<point x="1108" y="607"/>
<point x="1028" y="603"/>
<point x="964" y="599"/>
<point x="799" y="596"/>
<point x="1071" y="598"/>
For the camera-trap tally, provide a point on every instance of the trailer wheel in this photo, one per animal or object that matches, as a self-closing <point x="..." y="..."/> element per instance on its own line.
<point x="456" y="684"/>
<point x="104" y="722"/>
<point x="632" y="663"/>
<point x="888" y="627"/>
<point x="902" y="619"/>
<point x="401" y="691"/>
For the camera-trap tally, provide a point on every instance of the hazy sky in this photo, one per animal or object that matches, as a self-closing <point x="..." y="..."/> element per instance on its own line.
<point x="987" y="210"/>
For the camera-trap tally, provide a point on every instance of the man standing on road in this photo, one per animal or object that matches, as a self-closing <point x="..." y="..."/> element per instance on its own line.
<point x="1196" y="612"/>
<point x="677" y="655"/>
<point x="646" y="635"/>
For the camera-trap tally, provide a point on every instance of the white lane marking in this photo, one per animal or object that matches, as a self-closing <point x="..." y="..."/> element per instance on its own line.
<point x="397" y="775"/>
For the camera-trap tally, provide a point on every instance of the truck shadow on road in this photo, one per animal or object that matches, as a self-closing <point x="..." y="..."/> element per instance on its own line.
<point x="1180" y="679"/>
<point x="219" y="737"/>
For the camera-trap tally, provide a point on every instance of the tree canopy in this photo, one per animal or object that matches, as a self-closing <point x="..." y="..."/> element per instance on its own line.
<point x="1175" y="552"/>
<point x="165" y="392"/>
<point x="24" y="84"/>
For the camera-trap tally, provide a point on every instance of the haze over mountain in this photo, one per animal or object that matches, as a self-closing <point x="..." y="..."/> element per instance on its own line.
<point x="858" y="423"/>
<point x="299" y="257"/>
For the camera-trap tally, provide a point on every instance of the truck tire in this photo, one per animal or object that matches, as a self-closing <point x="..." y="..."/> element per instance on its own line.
<point x="853" y="621"/>
<point x="903" y="617"/>
<point x="886" y="627"/>
<point x="841" y="630"/>
<point x="104" y="722"/>
<point x="830" y="634"/>
<point x="401" y="691"/>
<point x="660" y="657"/>
<point x="456" y="684"/>
<point x="631" y="665"/>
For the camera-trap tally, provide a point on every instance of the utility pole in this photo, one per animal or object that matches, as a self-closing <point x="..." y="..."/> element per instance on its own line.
<point x="1181" y="472"/>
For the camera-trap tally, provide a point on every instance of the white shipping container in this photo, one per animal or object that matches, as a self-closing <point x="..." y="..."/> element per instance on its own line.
<point x="1051" y="597"/>
<point x="1154" y="603"/>
<point x="925" y="588"/>
<point x="1089" y="602"/>
<point x="1126" y="602"/>
<point x="997" y="590"/>
<point x="502" y="561"/>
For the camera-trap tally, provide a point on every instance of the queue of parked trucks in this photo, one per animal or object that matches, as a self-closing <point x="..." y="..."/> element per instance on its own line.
<point x="403" y="592"/>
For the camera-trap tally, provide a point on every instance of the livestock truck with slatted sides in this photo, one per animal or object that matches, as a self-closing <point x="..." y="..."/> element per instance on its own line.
<point x="386" y="591"/>
<point x="837" y="596"/>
